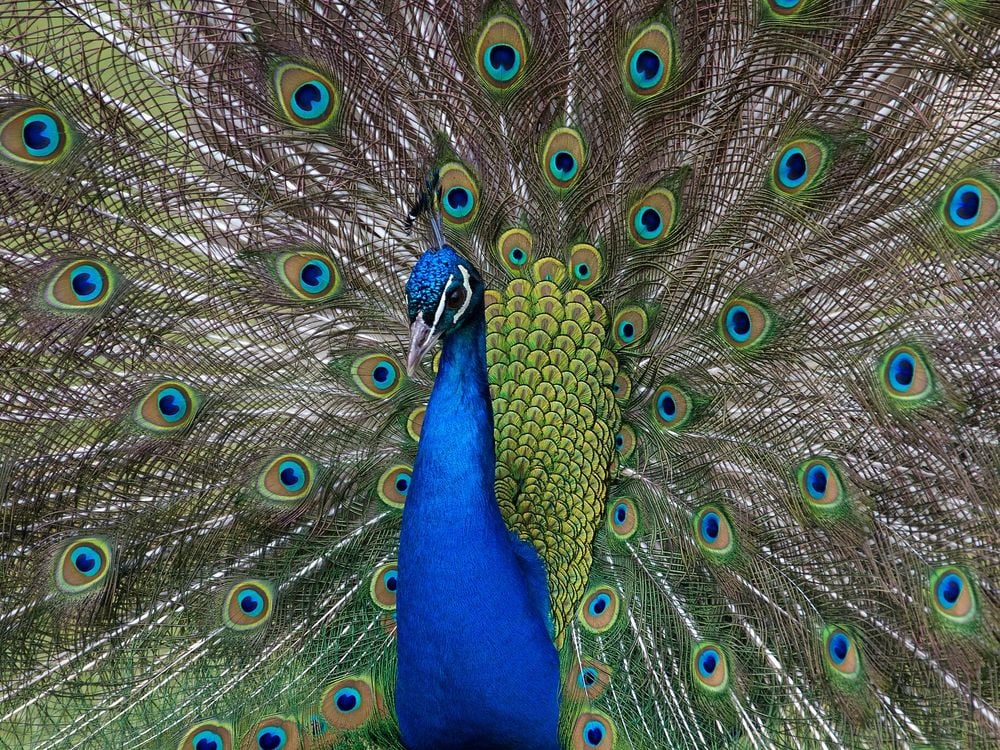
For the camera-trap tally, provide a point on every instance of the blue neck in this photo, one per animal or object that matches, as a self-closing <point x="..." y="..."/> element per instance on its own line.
<point x="477" y="667"/>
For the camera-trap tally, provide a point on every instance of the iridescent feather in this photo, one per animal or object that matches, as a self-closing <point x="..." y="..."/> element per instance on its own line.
<point x="740" y="261"/>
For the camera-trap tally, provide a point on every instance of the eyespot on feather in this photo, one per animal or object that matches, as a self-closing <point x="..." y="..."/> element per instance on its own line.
<point x="905" y="376"/>
<point x="821" y="487"/>
<point x="377" y="375"/>
<point x="744" y="324"/>
<point x="83" y="565"/>
<point x="651" y="218"/>
<point x="586" y="265"/>
<point x="586" y="681"/>
<point x="710" y="668"/>
<point x="971" y="206"/>
<point x="35" y="137"/>
<point x="671" y="407"/>
<point x="713" y="532"/>
<point x="599" y="609"/>
<point x="309" y="276"/>
<point x="208" y="735"/>
<point x="623" y="519"/>
<point x="288" y="477"/>
<point x="593" y="731"/>
<point x="81" y="285"/>
<point x="625" y="443"/>
<point x="841" y="655"/>
<point x="349" y="703"/>
<point x="501" y="54"/>
<point x="782" y="9"/>
<point x="306" y="97"/>
<point x="953" y="596"/>
<point x="798" y="166"/>
<point x="548" y="269"/>
<point x="513" y="249"/>
<point x="272" y="733"/>
<point x="459" y="194"/>
<point x="648" y="61"/>
<point x="563" y="158"/>
<point x="168" y="407"/>
<point x="383" y="586"/>
<point x="629" y="327"/>
<point x="394" y="484"/>
<point x="248" y="605"/>
<point x="415" y="422"/>
<point x="621" y="387"/>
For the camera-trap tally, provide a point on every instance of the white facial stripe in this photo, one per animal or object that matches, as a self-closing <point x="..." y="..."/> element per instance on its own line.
<point x="468" y="293"/>
<point x="440" y="310"/>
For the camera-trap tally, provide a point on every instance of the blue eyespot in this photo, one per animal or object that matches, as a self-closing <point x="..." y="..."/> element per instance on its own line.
<point x="563" y="165"/>
<point x="598" y="604"/>
<point x="593" y="733"/>
<point x="786" y="4"/>
<point x="949" y="589"/>
<point x="648" y="223"/>
<point x="86" y="560"/>
<point x="291" y="475"/>
<point x="586" y="678"/>
<point x="172" y="405"/>
<point x="582" y="271"/>
<point x="458" y="202"/>
<point x="710" y="669"/>
<point x="41" y="136"/>
<point x="626" y="331"/>
<point x="901" y="369"/>
<point x="251" y="602"/>
<point x="347" y="699"/>
<point x="619" y="441"/>
<point x="403" y="483"/>
<point x="248" y="606"/>
<point x="816" y="481"/>
<point x="708" y="661"/>
<point x="207" y="740"/>
<point x="501" y="52"/>
<point x="963" y="209"/>
<point x="502" y="62"/>
<point x="738" y="323"/>
<point x="666" y="406"/>
<point x="315" y="276"/>
<point x="710" y="525"/>
<point x="646" y="68"/>
<point x="793" y="168"/>
<point x="391" y="580"/>
<point x="838" y="645"/>
<point x="517" y="256"/>
<point x="620" y="514"/>
<point x="311" y="100"/>
<point x="384" y="375"/>
<point x="87" y="282"/>
<point x="271" y="738"/>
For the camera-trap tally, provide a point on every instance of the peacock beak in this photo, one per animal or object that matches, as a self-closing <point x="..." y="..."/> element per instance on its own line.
<point x="422" y="338"/>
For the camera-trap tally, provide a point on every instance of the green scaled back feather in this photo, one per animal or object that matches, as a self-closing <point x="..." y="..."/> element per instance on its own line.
<point x="742" y="260"/>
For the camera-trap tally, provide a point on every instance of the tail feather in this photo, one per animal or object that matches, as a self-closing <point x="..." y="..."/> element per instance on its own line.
<point x="780" y="512"/>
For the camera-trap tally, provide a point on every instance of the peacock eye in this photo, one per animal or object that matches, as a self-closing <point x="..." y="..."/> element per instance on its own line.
<point x="455" y="298"/>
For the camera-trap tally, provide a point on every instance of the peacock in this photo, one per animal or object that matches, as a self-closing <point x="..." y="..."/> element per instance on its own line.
<point x="528" y="374"/>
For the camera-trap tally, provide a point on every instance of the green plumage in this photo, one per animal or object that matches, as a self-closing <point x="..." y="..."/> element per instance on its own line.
<point x="742" y="262"/>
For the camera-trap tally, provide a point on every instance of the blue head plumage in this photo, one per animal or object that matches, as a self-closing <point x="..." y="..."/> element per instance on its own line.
<point x="443" y="292"/>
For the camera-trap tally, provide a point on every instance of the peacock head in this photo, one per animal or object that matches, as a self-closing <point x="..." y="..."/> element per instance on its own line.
<point x="444" y="292"/>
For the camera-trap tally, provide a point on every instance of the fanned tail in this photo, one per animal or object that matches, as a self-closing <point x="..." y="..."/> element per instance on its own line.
<point x="754" y="242"/>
